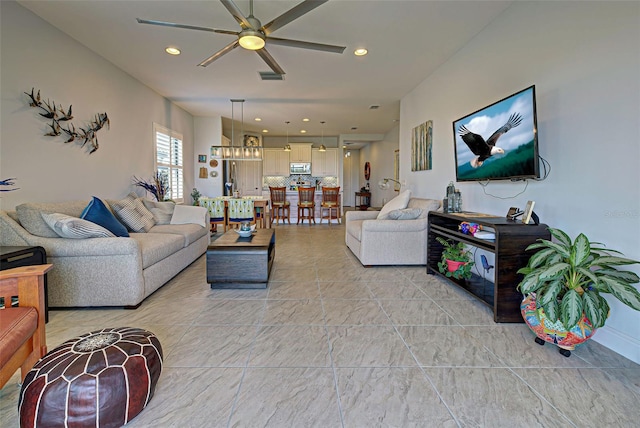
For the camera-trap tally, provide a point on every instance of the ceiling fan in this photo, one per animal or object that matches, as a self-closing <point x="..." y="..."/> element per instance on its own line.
<point x="254" y="36"/>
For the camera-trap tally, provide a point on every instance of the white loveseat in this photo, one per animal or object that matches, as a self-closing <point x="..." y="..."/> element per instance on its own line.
<point x="390" y="242"/>
<point x="111" y="271"/>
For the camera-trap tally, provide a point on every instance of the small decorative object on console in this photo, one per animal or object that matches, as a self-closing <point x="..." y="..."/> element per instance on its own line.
<point x="469" y="228"/>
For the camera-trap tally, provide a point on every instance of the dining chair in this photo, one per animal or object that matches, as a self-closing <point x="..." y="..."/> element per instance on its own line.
<point x="240" y="210"/>
<point x="306" y="204"/>
<point x="217" y="212"/>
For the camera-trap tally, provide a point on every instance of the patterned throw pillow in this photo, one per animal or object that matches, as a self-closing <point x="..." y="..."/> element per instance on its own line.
<point x="66" y="226"/>
<point x="133" y="213"/>
<point x="98" y="213"/>
<point x="405" y="214"/>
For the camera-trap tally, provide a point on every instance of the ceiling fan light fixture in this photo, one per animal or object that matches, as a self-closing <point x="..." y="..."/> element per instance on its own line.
<point x="251" y="40"/>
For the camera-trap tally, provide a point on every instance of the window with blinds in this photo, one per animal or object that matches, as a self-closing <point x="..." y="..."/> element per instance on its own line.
<point x="168" y="145"/>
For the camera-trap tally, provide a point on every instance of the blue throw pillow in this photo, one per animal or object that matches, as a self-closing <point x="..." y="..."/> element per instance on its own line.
<point x="98" y="213"/>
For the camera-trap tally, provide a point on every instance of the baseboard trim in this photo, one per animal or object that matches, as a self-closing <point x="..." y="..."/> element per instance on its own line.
<point x="625" y="345"/>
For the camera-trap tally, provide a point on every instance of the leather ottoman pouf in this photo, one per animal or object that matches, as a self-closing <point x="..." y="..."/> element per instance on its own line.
<point x="100" y="379"/>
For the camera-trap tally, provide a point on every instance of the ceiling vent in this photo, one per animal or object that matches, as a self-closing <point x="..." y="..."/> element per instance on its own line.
<point x="270" y="75"/>
<point x="374" y="107"/>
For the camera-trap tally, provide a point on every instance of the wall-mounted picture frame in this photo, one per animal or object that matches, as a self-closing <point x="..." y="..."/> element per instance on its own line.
<point x="421" y="146"/>
<point x="216" y="152"/>
<point x="202" y="158"/>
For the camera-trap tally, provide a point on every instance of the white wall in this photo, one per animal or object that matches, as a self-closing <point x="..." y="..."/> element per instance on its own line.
<point x="382" y="158"/>
<point x="35" y="54"/>
<point x="208" y="132"/>
<point x="584" y="58"/>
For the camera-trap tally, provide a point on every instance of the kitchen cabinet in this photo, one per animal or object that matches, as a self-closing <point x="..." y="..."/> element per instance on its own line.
<point x="275" y="162"/>
<point x="250" y="178"/>
<point x="300" y="153"/>
<point x="324" y="164"/>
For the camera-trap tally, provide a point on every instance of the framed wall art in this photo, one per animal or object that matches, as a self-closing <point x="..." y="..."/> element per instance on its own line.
<point x="202" y="158"/>
<point x="421" y="146"/>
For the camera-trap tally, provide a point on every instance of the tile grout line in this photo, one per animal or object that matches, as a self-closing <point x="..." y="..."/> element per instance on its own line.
<point x="333" y="366"/>
<point x="246" y="365"/>
<point x="424" y="373"/>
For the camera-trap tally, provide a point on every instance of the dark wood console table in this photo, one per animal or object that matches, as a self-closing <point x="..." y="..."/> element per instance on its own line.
<point x="363" y="200"/>
<point x="12" y="257"/>
<point x="511" y="240"/>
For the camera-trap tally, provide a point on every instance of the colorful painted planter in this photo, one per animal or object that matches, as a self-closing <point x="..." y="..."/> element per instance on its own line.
<point x="554" y="332"/>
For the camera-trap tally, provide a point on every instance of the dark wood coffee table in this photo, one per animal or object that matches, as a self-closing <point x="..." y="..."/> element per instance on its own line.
<point x="236" y="262"/>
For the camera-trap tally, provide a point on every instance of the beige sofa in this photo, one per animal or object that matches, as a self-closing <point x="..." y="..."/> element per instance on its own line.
<point x="390" y="242"/>
<point x="112" y="271"/>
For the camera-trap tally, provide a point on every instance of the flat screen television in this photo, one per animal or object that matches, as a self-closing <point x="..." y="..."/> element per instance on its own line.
<point x="500" y="141"/>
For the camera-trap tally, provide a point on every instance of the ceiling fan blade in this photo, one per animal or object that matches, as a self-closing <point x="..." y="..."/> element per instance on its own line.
<point x="305" y="45"/>
<point x="237" y="14"/>
<point x="188" y="27"/>
<point x="293" y="13"/>
<point x="266" y="56"/>
<point x="231" y="46"/>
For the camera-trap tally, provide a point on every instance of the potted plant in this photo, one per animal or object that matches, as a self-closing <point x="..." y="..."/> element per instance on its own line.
<point x="158" y="186"/>
<point x="563" y="285"/>
<point x="456" y="261"/>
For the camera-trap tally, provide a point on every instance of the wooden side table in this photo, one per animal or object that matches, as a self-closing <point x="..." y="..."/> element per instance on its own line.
<point x="363" y="200"/>
<point x="11" y="257"/>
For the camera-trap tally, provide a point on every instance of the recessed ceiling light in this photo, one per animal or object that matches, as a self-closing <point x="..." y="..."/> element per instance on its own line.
<point x="265" y="131"/>
<point x="303" y="131"/>
<point x="258" y="119"/>
<point x="305" y="120"/>
<point x="360" y="52"/>
<point x="171" y="50"/>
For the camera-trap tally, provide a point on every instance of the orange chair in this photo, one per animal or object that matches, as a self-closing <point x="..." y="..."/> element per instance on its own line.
<point x="306" y="204"/>
<point x="330" y="202"/>
<point x="22" y="331"/>
<point x="279" y="205"/>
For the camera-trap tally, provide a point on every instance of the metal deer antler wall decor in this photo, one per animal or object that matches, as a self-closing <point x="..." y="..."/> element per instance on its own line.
<point x="58" y="115"/>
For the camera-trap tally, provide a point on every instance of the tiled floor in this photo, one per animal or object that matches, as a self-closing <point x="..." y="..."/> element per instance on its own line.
<point x="333" y="344"/>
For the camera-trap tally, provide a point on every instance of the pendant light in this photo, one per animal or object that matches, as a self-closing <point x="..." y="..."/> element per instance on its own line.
<point x="287" y="146"/>
<point x="322" y="146"/>
<point x="234" y="152"/>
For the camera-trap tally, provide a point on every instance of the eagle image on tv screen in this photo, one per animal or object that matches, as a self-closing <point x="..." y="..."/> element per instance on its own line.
<point x="498" y="142"/>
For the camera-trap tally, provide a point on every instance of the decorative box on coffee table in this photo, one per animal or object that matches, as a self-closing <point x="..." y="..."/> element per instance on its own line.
<point x="237" y="262"/>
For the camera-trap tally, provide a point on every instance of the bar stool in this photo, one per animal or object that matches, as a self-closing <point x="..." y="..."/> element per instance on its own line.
<point x="306" y="204"/>
<point x="330" y="201"/>
<point x="279" y="205"/>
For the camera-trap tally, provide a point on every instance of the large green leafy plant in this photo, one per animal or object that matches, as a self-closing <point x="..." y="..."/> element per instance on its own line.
<point x="568" y="278"/>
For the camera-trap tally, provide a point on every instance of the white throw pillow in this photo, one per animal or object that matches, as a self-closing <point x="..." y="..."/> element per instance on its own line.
<point x="184" y="214"/>
<point x="66" y="226"/>
<point x="161" y="211"/>
<point x="405" y="214"/>
<point x="400" y="202"/>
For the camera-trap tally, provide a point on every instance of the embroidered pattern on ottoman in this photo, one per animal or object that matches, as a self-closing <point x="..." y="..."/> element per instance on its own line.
<point x="100" y="379"/>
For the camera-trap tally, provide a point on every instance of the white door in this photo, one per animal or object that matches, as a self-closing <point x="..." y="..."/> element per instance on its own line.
<point x="349" y="171"/>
